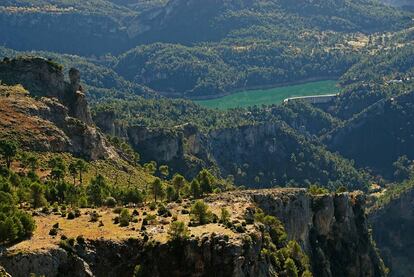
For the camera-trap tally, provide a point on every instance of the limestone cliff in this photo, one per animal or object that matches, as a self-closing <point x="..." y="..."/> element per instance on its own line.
<point x="42" y="77"/>
<point x="393" y="226"/>
<point x="331" y="228"/>
<point x="268" y="153"/>
<point x="48" y="113"/>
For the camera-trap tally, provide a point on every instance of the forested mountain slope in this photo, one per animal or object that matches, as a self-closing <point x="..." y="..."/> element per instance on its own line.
<point x="261" y="148"/>
<point x="200" y="49"/>
<point x="379" y="135"/>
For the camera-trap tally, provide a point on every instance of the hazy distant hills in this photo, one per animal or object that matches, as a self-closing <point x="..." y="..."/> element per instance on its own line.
<point x="399" y="3"/>
<point x="97" y="27"/>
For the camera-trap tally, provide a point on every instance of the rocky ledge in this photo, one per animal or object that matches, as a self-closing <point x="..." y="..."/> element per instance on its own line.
<point x="332" y="230"/>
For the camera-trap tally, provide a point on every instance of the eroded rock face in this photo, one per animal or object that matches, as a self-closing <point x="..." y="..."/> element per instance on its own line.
<point x="57" y="118"/>
<point x="42" y="77"/>
<point x="208" y="256"/>
<point x="183" y="148"/>
<point x="249" y="150"/>
<point x="393" y="226"/>
<point x="332" y="229"/>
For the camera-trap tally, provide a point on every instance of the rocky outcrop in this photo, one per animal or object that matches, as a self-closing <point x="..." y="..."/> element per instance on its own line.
<point x="257" y="155"/>
<point x="183" y="148"/>
<point x="332" y="229"/>
<point x="52" y="114"/>
<point x="44" y="78"/>
<point x="393" y="226"/>
<point x="212" y="255"/>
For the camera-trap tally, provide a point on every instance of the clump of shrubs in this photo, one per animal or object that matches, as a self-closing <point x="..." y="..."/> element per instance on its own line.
<point x="163" y="211"/>
<point x="153" y="206"/>
<point x="110" y="202"/>
<point x="149" y="219"/>
<point x="200" y="213"/>
<point x="178" y="231"/>
<point x="80" y="240"/>
<point x="124" y="218"/>
<point x="117" y="210"/>
<point x="53" y="232"/>
<point x="94" y="216"/>
<point x="71" y="215"/>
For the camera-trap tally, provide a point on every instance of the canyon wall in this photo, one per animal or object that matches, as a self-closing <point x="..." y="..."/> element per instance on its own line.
<point x="393" y="226"/>
<point x="332" y="230"/>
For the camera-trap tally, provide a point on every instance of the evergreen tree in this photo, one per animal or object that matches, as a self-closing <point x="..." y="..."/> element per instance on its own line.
<point x="164" y="171"/>
<point x="157" y="188"/>
<point x="73" y="170"/>
<point x="8" y="149"/>
<point x="97" y="190"/>
<point x="178" y="231"/>
<point x="205" y="180"/>
<point x="178" y="182"/>
<point x="82" y="166"/>
<point x="37" y="195"/>
<point x="200" y="212"/>
<point x="195" y="188"/>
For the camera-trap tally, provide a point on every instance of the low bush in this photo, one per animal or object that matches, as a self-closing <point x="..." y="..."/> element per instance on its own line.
<point x="71" y="215"/>
<point x="124" y="218"/>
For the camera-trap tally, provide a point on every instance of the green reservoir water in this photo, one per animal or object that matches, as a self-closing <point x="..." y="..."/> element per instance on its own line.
<point x="270" y="96"/>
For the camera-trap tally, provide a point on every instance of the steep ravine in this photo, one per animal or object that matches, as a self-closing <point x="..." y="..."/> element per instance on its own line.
<point x="332" y="229"/>
<point x="393" y="226"/>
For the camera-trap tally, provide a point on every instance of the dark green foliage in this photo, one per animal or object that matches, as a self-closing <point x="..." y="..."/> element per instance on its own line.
<point x="255" y="43"/>
<point x="97" y="190"/>
<point x="290" y="268"/>
<point x="378" y="136"/>
<point x="402" y="168"/>
<point x="124" y="218"/>
<point x="315" y="190"/>
<point x="14" y="224"/>
<point x="110" y="202"/>
<point x="195" y="188"/>
<point x="71" y="215"/>
<point x="8" y="150"/>
<point x="80" y="240"/>
<point x="171" y="194"/>
<point x="224" y="216"/>
<point x="157" y="188"/>
<point x="178" y="231"/>
<point x="311" y="163"/>
<point x="38" y="197"/>
<point x="53" y="232"/>
<point x="285" y="256"/>
<point x="178" y="181"/>
<point x="201" y="212"/>
<point x="205" y="178"/>
<point x="94" y="216"/>
<point x="58" y="168"/>
<point x="376" y="77"/>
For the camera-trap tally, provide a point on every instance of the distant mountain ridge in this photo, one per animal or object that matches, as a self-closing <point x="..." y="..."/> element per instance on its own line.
<point x="108" y="27"/>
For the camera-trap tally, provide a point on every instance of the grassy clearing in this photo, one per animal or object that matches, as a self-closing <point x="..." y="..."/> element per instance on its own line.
<point x="270" y="96"/>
